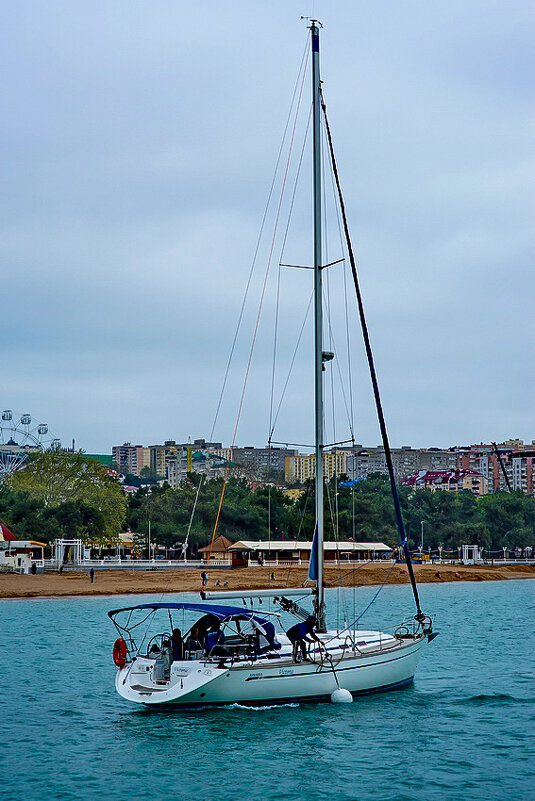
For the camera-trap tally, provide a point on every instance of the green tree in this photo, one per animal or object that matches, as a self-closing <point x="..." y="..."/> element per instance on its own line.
<point x="57" y="478"/>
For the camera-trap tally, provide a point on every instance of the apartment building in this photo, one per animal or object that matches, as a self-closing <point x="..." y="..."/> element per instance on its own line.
<point x="301" y="467"/>
<point x="262" y="463"/>
<point x="161" y="455"/>
<point x="488" y="474"/>
<point x="513" y="467"/>
<point x="131" y="458"/>
<point x="405" y="460"/>
<point x="207" y="464"/>
<point x="448" y="480"/>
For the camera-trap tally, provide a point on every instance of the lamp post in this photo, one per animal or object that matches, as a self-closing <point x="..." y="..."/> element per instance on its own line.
<point x="422" y="537"/>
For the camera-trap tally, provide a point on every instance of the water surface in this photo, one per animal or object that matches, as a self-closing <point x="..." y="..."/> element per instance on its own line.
<point x="463" y="731"/>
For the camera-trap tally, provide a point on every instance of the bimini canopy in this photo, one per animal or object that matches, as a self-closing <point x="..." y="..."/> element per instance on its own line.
<point x="221" y="612"/>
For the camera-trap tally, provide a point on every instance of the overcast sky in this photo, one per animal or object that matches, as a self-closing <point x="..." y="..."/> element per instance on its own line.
<point x="138" y="145"/>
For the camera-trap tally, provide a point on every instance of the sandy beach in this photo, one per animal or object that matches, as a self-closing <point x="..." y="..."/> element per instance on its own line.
<point x="121" y="582"/>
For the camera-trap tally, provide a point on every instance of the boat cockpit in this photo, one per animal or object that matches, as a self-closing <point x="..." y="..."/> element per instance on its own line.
<point x="220" y="633"/>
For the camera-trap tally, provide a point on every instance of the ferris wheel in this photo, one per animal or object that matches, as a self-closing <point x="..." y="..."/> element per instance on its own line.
<point x="20" y="437"/>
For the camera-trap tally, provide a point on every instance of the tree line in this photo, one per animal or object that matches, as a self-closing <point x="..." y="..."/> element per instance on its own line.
<point x="69" y="495"/>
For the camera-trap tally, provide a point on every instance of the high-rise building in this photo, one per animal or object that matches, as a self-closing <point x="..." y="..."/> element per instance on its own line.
<point x="405" y="460"/>
<point x="512" y="467"/>
<point x="131" y="458"/>
<point x="302" y="467"/>
<point x="262" y="463"/>
<point x="160" y="455"/>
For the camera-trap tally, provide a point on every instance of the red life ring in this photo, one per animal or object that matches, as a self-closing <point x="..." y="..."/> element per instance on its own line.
<point x="119" y="652"/>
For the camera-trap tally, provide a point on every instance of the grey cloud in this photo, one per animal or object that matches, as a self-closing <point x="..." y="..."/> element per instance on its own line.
<point x="138" y="149"/>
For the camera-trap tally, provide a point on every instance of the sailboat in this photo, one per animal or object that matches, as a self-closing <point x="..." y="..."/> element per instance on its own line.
<point x="207" y="652"/>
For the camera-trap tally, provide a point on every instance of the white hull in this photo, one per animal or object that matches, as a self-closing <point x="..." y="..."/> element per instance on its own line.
<point x="380" y="663"/>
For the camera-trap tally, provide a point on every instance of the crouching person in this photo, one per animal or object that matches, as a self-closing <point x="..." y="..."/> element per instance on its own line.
<point x="301" y="634"/>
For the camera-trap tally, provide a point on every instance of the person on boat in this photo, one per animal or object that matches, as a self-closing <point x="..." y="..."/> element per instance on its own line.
<point x="167" y="653"/>
<point x="298" y="635"/>
<point x="177" y="644"/>
<point x="194" y="641"/>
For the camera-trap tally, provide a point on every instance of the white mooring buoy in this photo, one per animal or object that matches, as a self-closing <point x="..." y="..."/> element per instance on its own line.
<point x="341" y="696"/>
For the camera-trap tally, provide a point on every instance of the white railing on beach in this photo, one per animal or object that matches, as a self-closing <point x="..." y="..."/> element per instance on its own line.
<point x="328" y="562"/>
<point x="115" y="562"/>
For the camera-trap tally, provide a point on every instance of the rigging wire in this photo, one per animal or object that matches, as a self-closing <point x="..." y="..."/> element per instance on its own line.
<point x="298" y="89"/>
<point x="261" y="301"/>
<point x="275" y="336"/>
<point x="307" y="313"/>
<point x="352" y="625"/>
<point x="374" y="597"/>
<point x="276" y="326"/>
<point x="326" y="259"/>
<point x="349" y="407"/>
<point x="349" y="573"/>
<point x="300" y="78"/>
<point x="301" y="526"/>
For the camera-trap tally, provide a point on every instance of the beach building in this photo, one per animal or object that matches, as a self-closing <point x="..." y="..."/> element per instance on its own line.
<point x="216" y="552"/>
<point x="294" y="552"/>
<point x="18" y="556"/>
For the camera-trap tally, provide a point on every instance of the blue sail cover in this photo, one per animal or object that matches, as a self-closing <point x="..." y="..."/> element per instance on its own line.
<point x="313" y="564"/>
<point x="221" y="612"/>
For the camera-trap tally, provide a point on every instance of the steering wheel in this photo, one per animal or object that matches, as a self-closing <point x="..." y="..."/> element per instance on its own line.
<point x="158" y="640"/>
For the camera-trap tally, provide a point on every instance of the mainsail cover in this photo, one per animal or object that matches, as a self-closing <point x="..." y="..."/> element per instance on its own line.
<point x="313" y="567"/>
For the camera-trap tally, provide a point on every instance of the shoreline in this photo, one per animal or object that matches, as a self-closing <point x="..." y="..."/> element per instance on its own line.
<point x="116" y="582"/>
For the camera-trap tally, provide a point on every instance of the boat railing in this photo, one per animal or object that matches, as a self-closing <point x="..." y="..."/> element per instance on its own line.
<point x="407" y="629"/>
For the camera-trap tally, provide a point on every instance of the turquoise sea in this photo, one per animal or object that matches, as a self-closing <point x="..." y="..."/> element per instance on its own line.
<point x="464" y="730"/>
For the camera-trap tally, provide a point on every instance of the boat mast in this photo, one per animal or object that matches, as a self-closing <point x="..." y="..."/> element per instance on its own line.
<point x="318" y="319"/>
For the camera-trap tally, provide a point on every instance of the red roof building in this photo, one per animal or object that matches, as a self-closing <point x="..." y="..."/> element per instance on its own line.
<point x="459" y="479"/>
<point x="5" y="534"/>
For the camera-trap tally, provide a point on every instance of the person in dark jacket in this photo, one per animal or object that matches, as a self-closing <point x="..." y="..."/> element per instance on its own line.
<point x="298" y="635"/>
<point x="195" y="641"/>
<point x="177" y="644"/>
